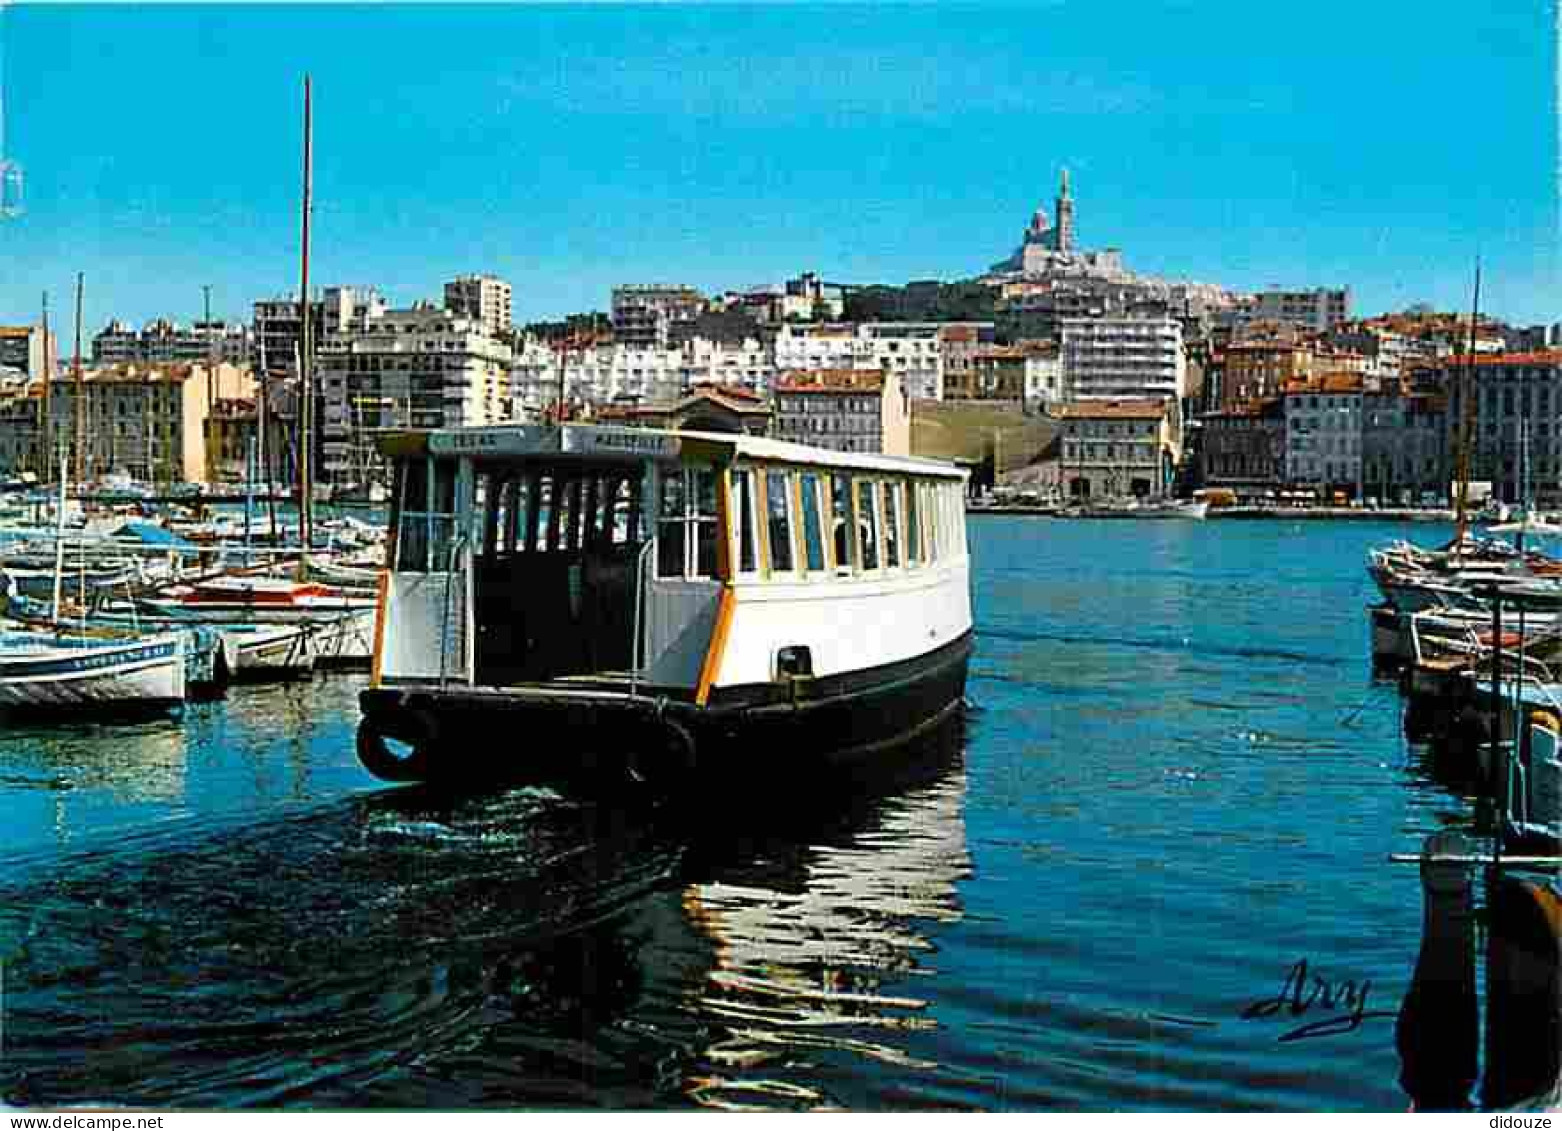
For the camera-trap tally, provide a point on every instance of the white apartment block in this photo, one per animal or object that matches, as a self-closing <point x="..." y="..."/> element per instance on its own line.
<point x="278" y="328"/>
<point x="1322" y="308"/>
<point x="417" y="368"/>
<point x="1123" y="359"/>
<point x="1044" y="382"/>
<point x="483" y="299"/>
<point x="608" y="373"/>
<point x="910" y="350"/>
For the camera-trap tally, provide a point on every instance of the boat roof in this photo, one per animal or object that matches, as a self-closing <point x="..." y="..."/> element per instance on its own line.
<point x="598" y="441"/>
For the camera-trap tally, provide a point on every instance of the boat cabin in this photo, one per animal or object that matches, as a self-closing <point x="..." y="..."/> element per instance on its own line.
<point x="660" y="563"/>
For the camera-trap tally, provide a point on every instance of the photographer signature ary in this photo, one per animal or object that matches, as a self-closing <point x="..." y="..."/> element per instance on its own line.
<point x="1304" y="992"/>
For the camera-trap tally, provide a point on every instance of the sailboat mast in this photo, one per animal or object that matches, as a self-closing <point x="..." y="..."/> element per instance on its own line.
<point x="45" y="425"/>
<point x="305" y="383"/>
<point x="1466" y="420"/>
<point x="78" y="430"/>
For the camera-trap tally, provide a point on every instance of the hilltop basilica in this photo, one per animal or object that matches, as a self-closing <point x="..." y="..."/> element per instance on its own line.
<point x="1048" y="251"/>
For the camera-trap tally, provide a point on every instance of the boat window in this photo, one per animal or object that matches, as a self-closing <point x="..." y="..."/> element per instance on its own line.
<point x="745" y="529"/>
<point x="913" y="529"/>
<point x="813" y="527"/>
<point x="840" y="522"/>
<point x="778" y="500"/>
<point x="428" y="521"/>
<point x="891" y="524"/>
<point x="412" y="499"/>
<point x="671" y="525"/>
<point x="867" y="525"/>
<point x="686" y="524"/>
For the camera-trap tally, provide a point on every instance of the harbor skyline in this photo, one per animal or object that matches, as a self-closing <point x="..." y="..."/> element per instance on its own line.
<point x="581" y="146"/>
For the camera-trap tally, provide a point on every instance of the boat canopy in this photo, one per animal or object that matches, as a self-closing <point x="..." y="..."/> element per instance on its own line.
<point x="602" y="442"/>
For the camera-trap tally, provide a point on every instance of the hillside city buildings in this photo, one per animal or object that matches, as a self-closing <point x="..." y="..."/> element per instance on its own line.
<point x="1119" y="382"/>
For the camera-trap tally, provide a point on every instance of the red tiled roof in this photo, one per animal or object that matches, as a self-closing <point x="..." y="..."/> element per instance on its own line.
<point x="1113" y="410"/>
<point x="829" y="380"/>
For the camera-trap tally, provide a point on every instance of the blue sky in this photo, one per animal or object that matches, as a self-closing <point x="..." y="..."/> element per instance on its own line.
<point x="569" y="147"/>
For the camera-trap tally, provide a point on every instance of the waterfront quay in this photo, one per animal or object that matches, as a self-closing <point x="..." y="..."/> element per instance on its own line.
<point x="1091" y="894"/>
<point x="1360" y="514"/>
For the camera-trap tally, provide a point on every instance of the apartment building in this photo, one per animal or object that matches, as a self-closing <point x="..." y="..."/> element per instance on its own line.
<point x="146" y="420"/>
<point x="1117" y="449"/>
<point x="1259" y="368"/>
<point x="643" y="313"/>
<point x="422" y="367"/>
<point x="1321" y="308"/>
<point x="26" y="352"/>
<point x="848" y="410"/>
<point x="1323" y="434"/>
<point x="1516" y="408"/>
<point x="21" y="440"/>
<point x="484" y="299"/>
<point x="1404" y="446"/>
<point x="277" y="330"/>
<point x="1123" y="359"/>
<point x="1243" y="448"/>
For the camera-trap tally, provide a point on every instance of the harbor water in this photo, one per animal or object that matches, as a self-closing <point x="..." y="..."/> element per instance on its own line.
<point x="1176" y="782"/>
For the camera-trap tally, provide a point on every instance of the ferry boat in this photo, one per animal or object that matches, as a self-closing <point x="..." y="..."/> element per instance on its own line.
<point x="589" y="605"/>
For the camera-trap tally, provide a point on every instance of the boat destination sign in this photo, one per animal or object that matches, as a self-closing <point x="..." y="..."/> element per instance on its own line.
<point x="628" y="441"/>
<point x="525" y="440"/>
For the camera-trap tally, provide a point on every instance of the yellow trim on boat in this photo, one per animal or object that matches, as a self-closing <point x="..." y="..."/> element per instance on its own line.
<point x="717" y="647"/>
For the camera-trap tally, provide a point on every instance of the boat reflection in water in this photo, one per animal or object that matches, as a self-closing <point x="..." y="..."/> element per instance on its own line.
<point x="413" y="949"/>
<point x="820" y="941"/>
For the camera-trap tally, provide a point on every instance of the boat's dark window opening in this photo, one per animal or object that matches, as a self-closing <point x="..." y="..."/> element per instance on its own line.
<point x="527" y="539"/>
<point x="746" y="530"/>
<point x="555" y="597"/>
<point x="891" y="525"/>
<point x="867" y="525"/>
<point x="412" y="538"/>
<point x="687" y="529"/>
<point x="671" y="525"/>
<point x="913" y="527"/>
<point x="841" y="513"/>
<point x="778" y="497"/>
<point x="707" y="529"/>
<point x="813" y="529"/>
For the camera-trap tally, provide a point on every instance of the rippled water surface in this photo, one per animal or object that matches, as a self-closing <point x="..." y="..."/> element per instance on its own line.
<point x="1176" y="781"/>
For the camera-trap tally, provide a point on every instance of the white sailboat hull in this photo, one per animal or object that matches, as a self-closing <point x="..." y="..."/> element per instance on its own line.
<point x="141" y="673"/>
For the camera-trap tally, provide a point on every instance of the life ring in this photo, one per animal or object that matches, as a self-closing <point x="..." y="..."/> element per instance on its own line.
<point x="1546" y="720"/>
<point x="418" y="730"/>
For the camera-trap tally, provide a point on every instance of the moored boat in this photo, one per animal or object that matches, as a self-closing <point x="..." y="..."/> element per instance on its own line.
<point x="54" y="671"/>
<point x="599" y="605"/>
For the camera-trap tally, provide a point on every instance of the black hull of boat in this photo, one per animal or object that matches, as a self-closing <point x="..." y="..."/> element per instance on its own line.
<point x="599" y="743"/>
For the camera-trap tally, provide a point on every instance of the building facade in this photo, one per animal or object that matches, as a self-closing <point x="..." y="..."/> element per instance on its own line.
<point x="1323" y="435"/>
<point x="847" y="410"/>
<point x="1243" y="448"/>
<point x="1117" y="449"/>
<point x="1404" y="452"/>
<point x="422" y="367"/>
<point x="25" y="351"/>
<point x="644" y="313"/>
<point x="147" y="421"/>
<point x="1516" y="411"/>
<point x="1123" y="359"/>
<point x="1321" y="308"/>
<point x="484" y="299"/>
